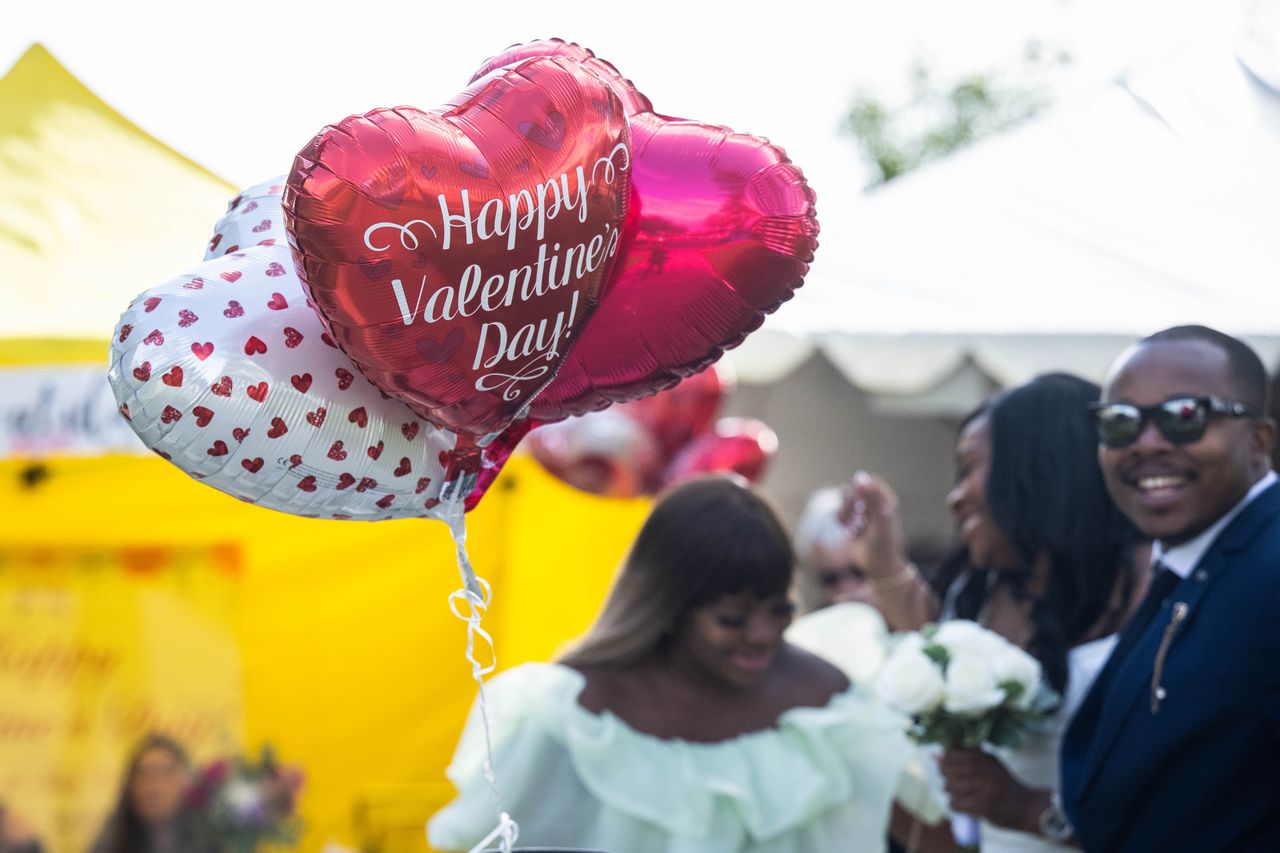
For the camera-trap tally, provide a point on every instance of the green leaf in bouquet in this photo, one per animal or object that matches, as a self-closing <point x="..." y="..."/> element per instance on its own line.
<point x="1013" y="690"/>
<point x="942" y="727"/>
<point x="1008" y="730"/>
<point x="977" y="731"/>
<point x="938" y="654"/>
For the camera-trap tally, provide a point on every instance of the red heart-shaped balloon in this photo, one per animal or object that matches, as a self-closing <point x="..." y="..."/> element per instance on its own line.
<point x="724" y="232"/>
<point x="679" y="414"/>
<point x="743" y="446"/>
<point x="456" y="254"/>
<point x="625" y="450"/>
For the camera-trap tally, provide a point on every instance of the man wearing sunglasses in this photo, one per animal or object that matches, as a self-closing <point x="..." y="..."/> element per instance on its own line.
<point x="1177" y="745"/>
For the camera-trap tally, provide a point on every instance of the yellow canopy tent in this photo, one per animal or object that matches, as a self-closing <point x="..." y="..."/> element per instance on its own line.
<point x="93" y="210"/>
<point x="132" y="598"/>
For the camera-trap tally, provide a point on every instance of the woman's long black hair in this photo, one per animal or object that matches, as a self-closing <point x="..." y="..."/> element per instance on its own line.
<point x="124" y="831"/>
<point x="1046" y="494"/>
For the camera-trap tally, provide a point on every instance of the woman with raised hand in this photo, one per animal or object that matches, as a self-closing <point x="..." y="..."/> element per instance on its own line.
<point x="1053" y="566"/>
<point x="683" y="721"/>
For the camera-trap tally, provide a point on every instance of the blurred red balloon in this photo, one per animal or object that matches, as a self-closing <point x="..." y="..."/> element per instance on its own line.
<point x="673" y="417"/>
<point x="605" y="453"/>
<point x="723" y="232"/>
<point x="456" y="254"/>
<point x="742" y="446"/>
<point x="641" y="447"/>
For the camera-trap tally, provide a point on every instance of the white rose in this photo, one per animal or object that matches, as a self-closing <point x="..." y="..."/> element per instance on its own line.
<point x="971" y="687"/>
<point x="908" y="643"/>
<point x="909" y="681"/>
<point x="965" y="637"/>
<point x="851" y="635"/>
<point x="1013" y="664"/>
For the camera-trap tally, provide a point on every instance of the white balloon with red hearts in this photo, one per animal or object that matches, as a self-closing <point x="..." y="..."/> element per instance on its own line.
<point x="226" y="371"/>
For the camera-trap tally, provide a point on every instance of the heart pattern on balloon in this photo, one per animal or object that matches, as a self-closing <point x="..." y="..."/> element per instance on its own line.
<point x="256" y="423"/>
<point x="460" y="284"/>
<point x="724" y="233"/>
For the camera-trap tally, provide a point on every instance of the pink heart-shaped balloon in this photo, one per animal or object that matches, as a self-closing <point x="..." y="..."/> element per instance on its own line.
<point x="457" y="254"/>
<point x="723" y="233"/>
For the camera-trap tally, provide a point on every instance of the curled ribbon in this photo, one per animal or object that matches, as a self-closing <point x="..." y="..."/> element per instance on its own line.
<point x="470" y="604"/>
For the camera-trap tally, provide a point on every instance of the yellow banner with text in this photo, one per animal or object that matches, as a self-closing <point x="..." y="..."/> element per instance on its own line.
<point x="98" y="647"/>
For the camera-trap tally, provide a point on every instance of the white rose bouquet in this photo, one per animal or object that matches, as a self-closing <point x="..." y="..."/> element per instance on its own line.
<point x="963" y="686"/>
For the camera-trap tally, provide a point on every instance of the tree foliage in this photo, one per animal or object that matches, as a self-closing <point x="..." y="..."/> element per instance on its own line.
<point x="940" y="117"/>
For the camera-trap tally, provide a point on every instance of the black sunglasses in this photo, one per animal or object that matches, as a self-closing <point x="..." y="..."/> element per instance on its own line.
<point x="1181" y="420"/>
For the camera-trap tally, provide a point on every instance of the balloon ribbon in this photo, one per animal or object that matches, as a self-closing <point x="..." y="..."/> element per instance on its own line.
<point x="469" y="604"/>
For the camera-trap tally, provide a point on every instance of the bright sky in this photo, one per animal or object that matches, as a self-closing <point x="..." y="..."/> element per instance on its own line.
<point x="241" y="85"/>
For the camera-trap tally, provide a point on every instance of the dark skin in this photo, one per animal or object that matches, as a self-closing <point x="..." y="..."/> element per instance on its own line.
<point x="1173" y="492"/>
<point x="976" y="782"/>
<point x="692" y="690"/>
<point x="653" y="699"/>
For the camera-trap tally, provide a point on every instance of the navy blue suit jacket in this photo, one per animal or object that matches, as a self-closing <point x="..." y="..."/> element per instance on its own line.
<point x="1202" y="771"/>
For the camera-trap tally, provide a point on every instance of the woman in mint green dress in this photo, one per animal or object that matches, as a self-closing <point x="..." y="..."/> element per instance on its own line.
<point x="683" y="721"/>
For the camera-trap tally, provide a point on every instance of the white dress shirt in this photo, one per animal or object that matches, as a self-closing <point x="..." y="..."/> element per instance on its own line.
<point x="1183" y="558"/>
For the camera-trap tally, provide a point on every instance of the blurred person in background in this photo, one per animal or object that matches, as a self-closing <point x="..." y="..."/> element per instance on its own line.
<point x="830" y="555"/>
<point x="15" y="835"/>
<point x="833" y="544"/>
<point x="150" y="814"/>
<point x="845" y="626"/>
<point x="684" y="721"/>
<point x="843" y="623"/>
<point x="1052" y="565"/>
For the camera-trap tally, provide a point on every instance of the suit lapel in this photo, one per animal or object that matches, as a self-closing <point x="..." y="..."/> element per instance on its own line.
<point x="1126" y="692"/>
<point x="1131" y="683"/>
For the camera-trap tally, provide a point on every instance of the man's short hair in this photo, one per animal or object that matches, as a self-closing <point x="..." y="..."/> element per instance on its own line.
<point x="1244" y="365"/>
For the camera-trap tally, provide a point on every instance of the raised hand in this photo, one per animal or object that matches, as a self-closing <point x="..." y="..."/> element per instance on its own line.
<point x="870" y="510"/>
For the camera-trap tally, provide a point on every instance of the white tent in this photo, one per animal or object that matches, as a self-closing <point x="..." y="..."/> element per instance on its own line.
<point x="1153" y="202"/>
<point x="1150" y="203"/>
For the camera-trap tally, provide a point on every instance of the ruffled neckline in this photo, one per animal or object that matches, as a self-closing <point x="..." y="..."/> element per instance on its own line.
<point x="774" y="779"/>
<point x="576" y="687"/>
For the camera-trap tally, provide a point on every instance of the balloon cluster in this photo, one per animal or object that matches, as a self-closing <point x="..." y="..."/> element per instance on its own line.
<point x="373" y="334"/>
<point x="644" y="446"/>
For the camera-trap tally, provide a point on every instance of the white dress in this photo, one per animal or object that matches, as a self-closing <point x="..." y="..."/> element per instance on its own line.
<point x="853" y="636"/>
<point x="1035" y="764"/>
<point x="821" y="780"/>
